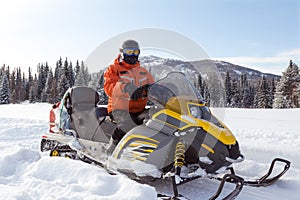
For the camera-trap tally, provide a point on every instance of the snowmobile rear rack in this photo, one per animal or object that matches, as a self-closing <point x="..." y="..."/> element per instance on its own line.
<point x="265" y="180"/>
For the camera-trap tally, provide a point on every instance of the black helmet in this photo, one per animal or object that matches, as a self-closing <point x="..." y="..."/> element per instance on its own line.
<point x="130" y="51"/>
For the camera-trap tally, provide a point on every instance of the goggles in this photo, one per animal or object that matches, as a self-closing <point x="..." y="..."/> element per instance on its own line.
<point x="131" y="51"/>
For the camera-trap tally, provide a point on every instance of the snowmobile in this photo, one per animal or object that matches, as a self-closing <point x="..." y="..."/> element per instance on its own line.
<point x="180" y="139"/>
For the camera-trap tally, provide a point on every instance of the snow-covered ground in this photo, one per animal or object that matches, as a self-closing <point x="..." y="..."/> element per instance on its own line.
<point x="25" y="173"/>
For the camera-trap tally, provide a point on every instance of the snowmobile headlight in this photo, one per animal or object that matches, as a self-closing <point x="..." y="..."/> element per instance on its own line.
<point x="194" y="110"/>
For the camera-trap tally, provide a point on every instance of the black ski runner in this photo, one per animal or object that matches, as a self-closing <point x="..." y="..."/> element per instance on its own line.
<point x="238" y="181"/>
<point x="233" y="178"/>
<point x="266" y="180"/>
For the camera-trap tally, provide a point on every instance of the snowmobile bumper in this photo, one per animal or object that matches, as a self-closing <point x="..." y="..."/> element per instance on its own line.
<point x="265" y="180"/>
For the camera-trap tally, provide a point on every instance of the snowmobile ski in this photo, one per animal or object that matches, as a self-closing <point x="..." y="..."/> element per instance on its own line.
<point x="266" y="180"/>
<point x="232" y="178"/>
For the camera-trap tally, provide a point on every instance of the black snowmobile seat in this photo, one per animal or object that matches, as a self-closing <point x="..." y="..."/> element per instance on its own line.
<point x="84" y="95"/>
<point x="86" y="116"/>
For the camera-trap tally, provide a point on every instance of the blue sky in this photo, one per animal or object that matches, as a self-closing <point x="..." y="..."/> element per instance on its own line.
<point x="259" y="34"/>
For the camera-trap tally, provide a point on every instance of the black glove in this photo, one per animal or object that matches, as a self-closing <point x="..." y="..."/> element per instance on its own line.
<point x="137" y="94"/>
<point x="130" y="88"/>
<point x="145" y="90"/>
<point x="134" y="92"/>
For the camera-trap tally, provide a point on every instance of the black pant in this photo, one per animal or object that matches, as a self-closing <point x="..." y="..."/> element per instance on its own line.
<point x="125" y="122"/>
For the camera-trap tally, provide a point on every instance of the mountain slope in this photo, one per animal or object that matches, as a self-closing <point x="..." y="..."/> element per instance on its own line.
<point x="157" y="64"/>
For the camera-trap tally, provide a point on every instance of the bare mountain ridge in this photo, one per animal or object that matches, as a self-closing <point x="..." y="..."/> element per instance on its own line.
<point x="157" y="64"/>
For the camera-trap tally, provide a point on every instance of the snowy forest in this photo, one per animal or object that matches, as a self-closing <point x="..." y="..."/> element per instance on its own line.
<point x="281" y="93"/>
<point x="49" y="86"/>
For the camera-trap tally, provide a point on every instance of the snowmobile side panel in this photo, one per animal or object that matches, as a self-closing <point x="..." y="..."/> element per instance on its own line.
<point x="93" y="149"/>
<point x="211" y="152"/>
<point x="60" y="137"/>
<point x="147" y="145"/>
<point x="180" y="122"/>
<point x="172" y="119"/>
<point x="221" y="134"/>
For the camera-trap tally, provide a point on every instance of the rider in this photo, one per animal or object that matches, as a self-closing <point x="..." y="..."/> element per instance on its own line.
<point x="126" y="86"/>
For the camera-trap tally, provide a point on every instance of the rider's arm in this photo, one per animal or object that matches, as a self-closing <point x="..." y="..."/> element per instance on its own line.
<point x="112" y="86"/>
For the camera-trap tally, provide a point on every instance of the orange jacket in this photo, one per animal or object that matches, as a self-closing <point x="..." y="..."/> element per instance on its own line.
<point x="116" y="77"/>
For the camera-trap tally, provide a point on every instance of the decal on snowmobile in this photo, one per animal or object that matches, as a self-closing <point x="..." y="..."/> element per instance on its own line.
<point x="136" y="146"/>
<point x="205" y="146"/>
<point x="172" y="119"/>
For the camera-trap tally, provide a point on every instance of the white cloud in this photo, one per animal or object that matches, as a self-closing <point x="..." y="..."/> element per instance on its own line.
<point x="270" y="64"/>
<point x="292" y="53"/>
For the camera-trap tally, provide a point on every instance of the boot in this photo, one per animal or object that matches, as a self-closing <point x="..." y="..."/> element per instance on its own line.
<point x="111" y="146"/>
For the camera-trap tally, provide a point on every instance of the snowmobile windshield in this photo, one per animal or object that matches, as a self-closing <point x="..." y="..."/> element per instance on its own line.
<point x="175" y="84"/>
<point x="175" y="92"/>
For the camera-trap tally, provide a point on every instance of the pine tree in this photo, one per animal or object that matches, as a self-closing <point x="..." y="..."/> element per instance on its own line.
<point x="206" y="94"/>
<point x="12" y="88"/>
<point x="19" y="85"/>
<point x="228" y="91"/>
<point x="47" y="94"/>
<point x="87" y="75"/>
<point x="28" y="84"/>
<point x="199" y="85"/>
<point x="235" y="99"/>
<point x="66" y="70"/>
<point x="272" y="88"/>
<point x="71" y="76"/>
<point x="263" y="99"/>
<point x="33" y="90"/>
<point x="100" y="89"/>
<point x="4" y="89"/>
<point x="298" y="96"/>
<point x="252" y="92"/>
<point x="46" y="69"/>
<point x="247" y="97"/>
<point x="286" y="87"/>
<point x="42" y="76"/>
<point x="77" y="69"/>
<point x="31" y="97"/>
<point x="23" y="91"/>
<point x="2" y="71"/>
<point x="62" y="85"/>
<point x="94" y="80"/>
<point x="56" y="71"/>
<point x="216" y="90"/>
<point x="7" y="72"/>
<point x="82" y="77"/>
